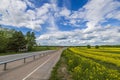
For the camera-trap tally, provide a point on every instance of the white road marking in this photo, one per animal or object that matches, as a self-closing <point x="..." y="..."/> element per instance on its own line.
<point x="37" y="68"/>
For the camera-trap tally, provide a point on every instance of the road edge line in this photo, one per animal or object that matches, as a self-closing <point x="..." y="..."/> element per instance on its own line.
<point x="37" y="68"/>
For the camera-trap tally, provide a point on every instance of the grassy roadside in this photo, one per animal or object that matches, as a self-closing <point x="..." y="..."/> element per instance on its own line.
<point x="60" y="71"/>
<point x="42" y="48"/>
<point x="38" y="48"/>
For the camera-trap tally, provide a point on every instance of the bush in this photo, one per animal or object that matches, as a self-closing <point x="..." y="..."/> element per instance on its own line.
<point x="96" y="46"/>
<point x="88" y="46"/>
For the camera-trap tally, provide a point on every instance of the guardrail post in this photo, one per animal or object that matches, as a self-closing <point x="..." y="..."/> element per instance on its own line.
<point x="39" y="55"/>
<point x="34" y="57"/>
<point x="5" y="65"/>
<point x="24" y="60"/>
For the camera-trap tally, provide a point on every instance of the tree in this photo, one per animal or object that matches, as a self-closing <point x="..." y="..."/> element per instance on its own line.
<point x="96" y="46"/>
<point x="88" y="46"/>
<point x="3" y="42"/>
<point x="30" y="37"/>
<point x="33" y="41"/>
<point x="5" y="34"/>
<point x="17" y="41"/>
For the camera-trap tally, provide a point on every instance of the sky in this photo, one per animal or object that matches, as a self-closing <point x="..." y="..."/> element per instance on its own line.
<point x="64" y="22"/>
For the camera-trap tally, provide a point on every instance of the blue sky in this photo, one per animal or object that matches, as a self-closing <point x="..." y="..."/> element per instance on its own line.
<point x="64" y="22"/>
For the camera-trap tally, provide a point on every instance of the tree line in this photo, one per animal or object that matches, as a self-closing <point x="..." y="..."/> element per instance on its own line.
<point x="12" y="40"/>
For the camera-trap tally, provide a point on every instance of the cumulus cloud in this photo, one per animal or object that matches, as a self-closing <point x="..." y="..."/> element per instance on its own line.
<point x="79" y="37"/>
<point x="114" y="15"/>
<point x="29" y="4"/>
<point x="96" y="11"/>
<point x="64" y="12"/>
<point x="15" y="13"/>
<point x="93" y="14"/>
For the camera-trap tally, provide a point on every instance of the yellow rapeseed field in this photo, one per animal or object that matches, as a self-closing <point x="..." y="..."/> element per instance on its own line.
<point x="93" y="64"/>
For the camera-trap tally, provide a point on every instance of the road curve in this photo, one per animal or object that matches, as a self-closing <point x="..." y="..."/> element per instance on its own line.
<point x="39" y="69"/>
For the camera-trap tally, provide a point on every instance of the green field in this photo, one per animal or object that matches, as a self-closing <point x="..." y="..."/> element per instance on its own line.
<point x="80" y="63"/>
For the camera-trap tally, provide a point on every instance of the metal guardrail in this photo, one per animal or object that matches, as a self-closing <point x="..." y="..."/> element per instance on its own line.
<point x="24" y="58"/>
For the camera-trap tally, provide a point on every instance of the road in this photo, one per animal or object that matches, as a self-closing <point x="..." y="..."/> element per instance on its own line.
<point x="19" y="56"/>
<point x="38" y="69"/>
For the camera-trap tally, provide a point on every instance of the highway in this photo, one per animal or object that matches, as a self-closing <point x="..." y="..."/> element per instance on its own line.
<point x="38" y="69"/>
<point x="19" y="56"/>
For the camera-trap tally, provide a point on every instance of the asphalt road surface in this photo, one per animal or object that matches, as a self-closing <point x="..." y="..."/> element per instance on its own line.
<point x="38" y="69"/>
<point x="19" y="56"/>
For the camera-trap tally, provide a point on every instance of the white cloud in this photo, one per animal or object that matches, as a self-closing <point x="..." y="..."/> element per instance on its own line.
<point x="97" y="10"/>
<point x="64" y="12"/>
<point x="29" y="3"/>
<point x="101" y="35"/>
<point x="52" y="24"/>
<point x="15" y="13"/>
<point x="114" y="15"/>
<point x="43" y="10"/>
<point x="94" y="13"/>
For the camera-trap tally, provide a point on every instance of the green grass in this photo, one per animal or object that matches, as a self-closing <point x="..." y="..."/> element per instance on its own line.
<point x="42" y="48"/>
<point x="60" y="71"/>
